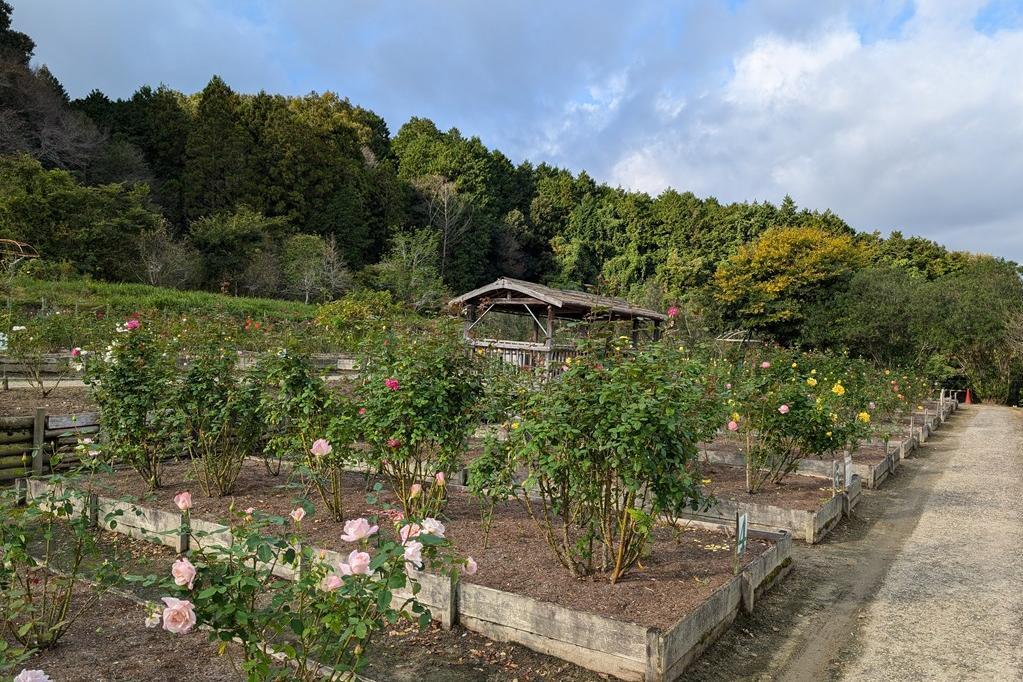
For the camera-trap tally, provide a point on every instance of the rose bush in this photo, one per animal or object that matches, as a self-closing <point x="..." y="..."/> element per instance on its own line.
<point x="134" y="388"/>
<point x="419" y="398"/>
<point x="216" y="416"/>
<point x="608" y="448"/>
<point x="325" y="618"/>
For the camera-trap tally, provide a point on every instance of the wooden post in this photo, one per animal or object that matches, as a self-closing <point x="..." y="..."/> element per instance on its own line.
<point x="470" y="318"/>
<point x="657" y="330"/>
<point x="550" y="338"/>
<point x="635" y="332"/>
<point x="38" y="436"/>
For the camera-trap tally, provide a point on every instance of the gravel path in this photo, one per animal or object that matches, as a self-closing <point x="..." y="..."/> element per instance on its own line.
<point x="951" y="604"/>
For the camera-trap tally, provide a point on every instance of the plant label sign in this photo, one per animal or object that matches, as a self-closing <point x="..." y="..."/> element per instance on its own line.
<point x="849" y="470"/>
<point x="836" y="475"/>
<point x="741" y="533"/>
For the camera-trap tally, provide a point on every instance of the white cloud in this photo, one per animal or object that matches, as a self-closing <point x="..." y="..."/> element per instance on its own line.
<point x="922" y="132"/>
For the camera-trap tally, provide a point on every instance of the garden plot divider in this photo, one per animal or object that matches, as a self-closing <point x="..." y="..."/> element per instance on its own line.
<point x="625" y="650"/>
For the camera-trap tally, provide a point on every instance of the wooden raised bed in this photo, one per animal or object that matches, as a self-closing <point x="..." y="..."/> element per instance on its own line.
<point x="627" y="650"/>
<point x="809" y="525"/>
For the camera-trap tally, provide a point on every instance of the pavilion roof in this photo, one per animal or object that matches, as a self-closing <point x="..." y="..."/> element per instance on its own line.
<point x="510" y="295"/>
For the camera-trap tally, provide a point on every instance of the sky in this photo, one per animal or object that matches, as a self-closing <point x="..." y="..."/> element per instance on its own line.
<point x="896" y="115"/>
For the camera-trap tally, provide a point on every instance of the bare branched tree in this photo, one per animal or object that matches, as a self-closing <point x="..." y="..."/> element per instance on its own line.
<point x="337" y="278"/>
<point x="165" y="262"/>
<point x="36" y="120"/>
<point x="448" y="213"/>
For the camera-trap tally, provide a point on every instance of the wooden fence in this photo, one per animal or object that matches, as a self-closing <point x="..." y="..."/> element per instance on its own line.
<point x="28" y="444"/>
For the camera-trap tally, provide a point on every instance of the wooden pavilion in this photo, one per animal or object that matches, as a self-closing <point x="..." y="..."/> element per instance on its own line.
<point x="545" y="305"/>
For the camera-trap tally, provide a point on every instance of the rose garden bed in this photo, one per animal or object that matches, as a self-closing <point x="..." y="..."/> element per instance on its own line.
<point x="650" y="625"/>
<point x="803" y="505"/>
<point x="870" y="461"/>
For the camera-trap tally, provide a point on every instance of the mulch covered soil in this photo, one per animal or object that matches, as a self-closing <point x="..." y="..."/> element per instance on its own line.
<point x="681" y="571"/>
<point x="19" y="402"/>
<point x="112" y="643"/>
<point x="794" y="492"/>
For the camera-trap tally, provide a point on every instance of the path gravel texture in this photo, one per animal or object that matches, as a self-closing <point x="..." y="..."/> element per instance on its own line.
<point x="951" y="604"/>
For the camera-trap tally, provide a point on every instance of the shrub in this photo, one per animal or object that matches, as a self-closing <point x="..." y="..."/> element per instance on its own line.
<point x="293" y="406"/>
<point x="607" y="448"/>
<point x="783" y="412"/>
<point x="217" y="414"/>
<point x="420" y="397"/>
<point x="133" y="386"/>
<point x="327" y="616"/>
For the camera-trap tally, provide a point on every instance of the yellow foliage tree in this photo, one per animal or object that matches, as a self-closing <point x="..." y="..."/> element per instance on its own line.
<point x="766" y="283"/>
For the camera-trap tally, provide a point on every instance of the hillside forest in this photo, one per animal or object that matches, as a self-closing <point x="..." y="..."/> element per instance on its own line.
<point x="313" y="197"/>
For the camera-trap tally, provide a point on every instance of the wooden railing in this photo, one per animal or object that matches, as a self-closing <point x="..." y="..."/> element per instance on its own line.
<point x="526" y="355"/>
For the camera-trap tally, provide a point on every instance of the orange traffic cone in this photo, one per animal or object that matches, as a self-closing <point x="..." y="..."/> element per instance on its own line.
<point x="968" y="401"/>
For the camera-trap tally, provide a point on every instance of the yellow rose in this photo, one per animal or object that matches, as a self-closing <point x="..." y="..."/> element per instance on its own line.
<point x="794" y="365"/>
<point x="735" y="417"/>
<point x="828" y="434"/>
<point x="515" y="425"/>
<point x="838" y="389"/>
<point x="864" y="417"/>
<point x="811" y="382"/>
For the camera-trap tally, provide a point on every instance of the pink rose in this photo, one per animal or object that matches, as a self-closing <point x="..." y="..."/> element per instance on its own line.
<point x="76" y="352"/>
<point x="469" y="566"/>
<point x="871" y="405"/>
<point x="32" y="676"/>
<point x="765" y="364"/>
<point x="784" y="409"/>
<point x="728" y="386"/>
<point x="249" y="511"/>
<point x="733" y="425"/>
<point x="673" y="311"/>
<point x="179" y="616"/>
<point x="440" y="478"/>
<point x="321" y="447"/>
<point x="362" y="411"/>
<point x="330" y="582"/>
<point x="393" y="443"/>
<point x="183" y="572"/>
<point x="358" y="529"/>
<point x="131" y="325"/>
<point x="416" y="490"/>
<point x="433" y="527"/>
<point x="298" y="513"/>
<point x="414" y="554"/>
<point x="183" y="500"/>
<point x="412" y="530"/>
<point x="358" y="564"/>
<point x="391" y="384"/>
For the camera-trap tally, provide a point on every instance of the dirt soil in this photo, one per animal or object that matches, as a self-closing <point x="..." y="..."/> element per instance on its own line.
<point x="680" y="572"/>
<point x="111" y="643"/>
<point x="794" y="491"/>
<point x="65" y="400"/>
<point x="921" y="583"/>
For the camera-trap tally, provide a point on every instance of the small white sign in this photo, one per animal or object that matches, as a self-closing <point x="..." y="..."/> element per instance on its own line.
<point x="741" y="532"/>
<point x="836" y="475"/>
<point x="848" y="471"/>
